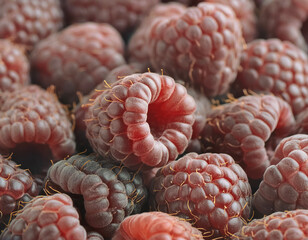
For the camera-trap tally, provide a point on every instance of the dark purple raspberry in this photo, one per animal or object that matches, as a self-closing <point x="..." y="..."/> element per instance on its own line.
<point x="35" y="127"/>
<point x="94" y="236"/>
<point x="104" y="193"/>
<point x="29" y="21"/>
<point x="141" y="120"/>
<point x="243" y="128"/>
<point x="285" y="182"/>
<point x="209" y="190"/>
<point x="46" y="218"/>
<point x="77" y="59"/>
<point x="156" y="226"/>
<point x="14" y="66"/>
<point x="277" y="67"/>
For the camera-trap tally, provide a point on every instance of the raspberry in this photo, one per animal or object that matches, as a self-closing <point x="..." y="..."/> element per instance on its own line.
<point x="14" y="66"/>
<point x="202" y="47"/>
<point x="156" y="225"/>
<point x="284" y="20"/>
<point x="274" y="66"/>
<point x="142" y="119"/>
<point x="138" y="49"/>
<point x="285" y="182"/>
<point x="209" y="190"/>
<point x="77" y="59"/>
<point x="16" y="188"/>
<point x="243" y="127"/>
<point x="46" y="218"/>
<point x="94" y="236"/>
<point x="35" y="127"/>
<point x="124" y="15"/>
<point x="290" y="225"/>
<point x="105" y="193"/>
<point x="29" y="21"/>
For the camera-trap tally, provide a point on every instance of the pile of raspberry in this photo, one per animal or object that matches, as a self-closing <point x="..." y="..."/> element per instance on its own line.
<point x="153" y="119"/>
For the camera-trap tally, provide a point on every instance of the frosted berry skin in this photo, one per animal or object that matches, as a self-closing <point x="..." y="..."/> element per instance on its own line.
<point x="29" y="21"/>
<point x="14" y="66"/>
<point x="156" y="225"/>
<point x="201" y="47"/>
<point x="124" y="15"/>
<point x="289" y="225"/>
<point x="143" y="119"/>
<point x="285" y="182"/>
<point x="285" y="19"/>
<point x="46" y="218"/>
<point x="17" y="187"/>
<point x="277" y="67"/>
<point x="210" y="190"/>
<point x="30" y="118"/>
<point x="243" y="127"/>
<point x="77" y="59"/>
<point x="105" y="193"/>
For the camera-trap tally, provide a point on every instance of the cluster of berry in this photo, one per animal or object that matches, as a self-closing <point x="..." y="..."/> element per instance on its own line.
<point x="153" y="119"/>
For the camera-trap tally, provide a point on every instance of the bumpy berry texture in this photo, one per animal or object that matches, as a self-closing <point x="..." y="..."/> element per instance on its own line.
<point x="290" y="225"/>
<point x="17" y="187"/>
<point x="14" y="66"/>
<point x="77" y="58"/>
<point x="285" y="19"/>
<point x="201" y="46"/>
<point x="277" y="67"/>
<point x="156" y="225"/>
<point x="243" y="127"/>
<point x="142" y="120"/>
<point x="209" y="190"/>
<point x="29" y="21"/>
<point x="35" y="127"/>
<point x="46" y="218"/>
<point x="94" y="236"/>
<point x="103" y="192"/>
<point x="138" y="49"/>
<point x="285" y="182"/>
<point x="124" y="15"/>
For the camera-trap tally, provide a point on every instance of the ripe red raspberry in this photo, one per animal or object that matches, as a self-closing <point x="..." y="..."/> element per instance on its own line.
<point x="124" y="15"/>
<point x="285" y="182"/>
<point x="209" y="190"/>
<point x="274" y="66"/>
<point x="143" y="119"/>
<point x="77" y="59"/>
<point x="35" y="127"/>
<point x="243" y="127"/>
<point x="17" y="187"/>
<point x="156" y="225"/>
<point x="290" y="225"/>
<point x="105" y="193"/>
<point x="14" y="66"/>
<point x="47" y="217"/>
<point x="29" y="21"/>
<point x="285" y="19"/>
<point x="201" y="46"/>
<point x="138" y="49"/>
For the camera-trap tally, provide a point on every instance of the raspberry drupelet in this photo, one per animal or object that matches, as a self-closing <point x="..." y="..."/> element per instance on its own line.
<point x="124" y="15"/>
<point x="156" y="226"/>
<point x="289" y="225"/>
<point x="243" y="128"/>
<point x="35" y="127"/>
<point x="201" y="46"/>
<point x="77" y="59"/>
<point x="14" y="66"/>
<point x="277" y="67"/>
<point x="104" y="192"/>
<point x="209" y="190"/>
<point x="143" y="120"/>
<point x="285" y="182"/>
<point x="46" y="218"/>
<point x="29" y="21"/>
